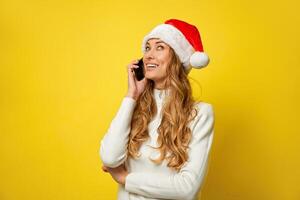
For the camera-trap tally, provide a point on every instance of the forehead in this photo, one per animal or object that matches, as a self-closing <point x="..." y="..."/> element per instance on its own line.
<point x="155" y="41"/>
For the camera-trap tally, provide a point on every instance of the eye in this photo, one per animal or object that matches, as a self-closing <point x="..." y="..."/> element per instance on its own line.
<point x="146" y="48"/>
<point x="160" y="46"/>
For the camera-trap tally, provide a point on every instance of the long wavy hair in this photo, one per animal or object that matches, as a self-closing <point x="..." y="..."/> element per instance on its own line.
<point x="178" y="111"/>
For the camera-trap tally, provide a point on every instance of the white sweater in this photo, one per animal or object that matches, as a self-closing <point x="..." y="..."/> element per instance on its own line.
<point x="147" y="180"/>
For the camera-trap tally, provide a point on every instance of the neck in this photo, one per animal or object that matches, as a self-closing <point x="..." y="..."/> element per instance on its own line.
<point x="160" y="85"/>
<point x="159" y="88"/>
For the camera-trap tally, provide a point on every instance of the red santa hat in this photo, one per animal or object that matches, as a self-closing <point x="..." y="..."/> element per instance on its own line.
<point x="185" y="40"/>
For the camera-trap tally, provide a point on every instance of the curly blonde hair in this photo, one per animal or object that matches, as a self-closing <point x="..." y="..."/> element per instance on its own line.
<point x="178" y="111"/>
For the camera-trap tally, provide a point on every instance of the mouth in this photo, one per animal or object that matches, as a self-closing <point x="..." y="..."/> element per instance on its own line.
<point x="151" y="66"/>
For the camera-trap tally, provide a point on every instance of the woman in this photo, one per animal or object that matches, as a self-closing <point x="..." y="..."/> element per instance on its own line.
<point x="158" y="144"/>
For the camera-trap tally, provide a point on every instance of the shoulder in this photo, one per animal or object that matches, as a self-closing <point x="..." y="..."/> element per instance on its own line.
<point x="204" y="114"/>
<point x="204" y="108"/>
<point x="203" y="123"/>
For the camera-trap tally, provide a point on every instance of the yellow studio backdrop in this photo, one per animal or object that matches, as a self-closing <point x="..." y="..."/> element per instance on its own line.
<point x="63" y="76"/>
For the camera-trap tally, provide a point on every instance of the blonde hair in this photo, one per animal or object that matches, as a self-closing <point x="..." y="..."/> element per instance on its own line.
<point x="174" y="135"/>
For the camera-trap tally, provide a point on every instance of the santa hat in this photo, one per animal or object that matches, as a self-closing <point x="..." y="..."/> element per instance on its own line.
<point x="185" y="40"/>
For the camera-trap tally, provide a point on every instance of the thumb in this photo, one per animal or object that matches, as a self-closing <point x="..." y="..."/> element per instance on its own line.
<point x="144" y="81"/>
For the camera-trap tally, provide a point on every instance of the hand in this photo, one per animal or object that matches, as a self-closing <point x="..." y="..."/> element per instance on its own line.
<point x="135" y="87"/>
<point x="119" y="173"/>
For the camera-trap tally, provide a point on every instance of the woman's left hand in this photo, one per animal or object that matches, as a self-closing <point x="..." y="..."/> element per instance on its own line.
<point x="119" y="173"/>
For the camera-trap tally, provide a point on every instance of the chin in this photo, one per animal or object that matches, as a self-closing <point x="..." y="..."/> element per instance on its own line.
<point x="150" y="76"/>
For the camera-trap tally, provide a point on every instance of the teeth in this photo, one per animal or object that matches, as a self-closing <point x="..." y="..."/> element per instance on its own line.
<point x="151" y="65"/>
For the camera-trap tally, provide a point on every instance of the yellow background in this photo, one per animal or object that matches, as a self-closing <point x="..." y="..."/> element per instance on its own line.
<point x="63" y="76"/>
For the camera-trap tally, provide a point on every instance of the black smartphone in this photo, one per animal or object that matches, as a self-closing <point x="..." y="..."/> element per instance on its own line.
<point x="139" y="72"/>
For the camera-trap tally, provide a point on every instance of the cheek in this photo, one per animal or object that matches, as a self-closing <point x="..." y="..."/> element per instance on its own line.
<point x="165" y="58"/>
<point x="163" y="70"/>
<point x="165" y="65"/>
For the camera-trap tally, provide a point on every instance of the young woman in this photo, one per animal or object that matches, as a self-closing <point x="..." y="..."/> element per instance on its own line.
<point x="158" y="144"/>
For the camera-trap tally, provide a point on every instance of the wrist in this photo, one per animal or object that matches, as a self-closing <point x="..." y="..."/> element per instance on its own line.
<point x="132" y="96"/>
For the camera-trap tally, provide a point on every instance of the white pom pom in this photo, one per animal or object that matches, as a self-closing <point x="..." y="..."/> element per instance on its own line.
<point x="199" y="59"/>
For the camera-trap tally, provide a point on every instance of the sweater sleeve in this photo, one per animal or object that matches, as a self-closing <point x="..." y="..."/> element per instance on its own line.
<point x="186" y="183"/>
<point x="113" y="146"/>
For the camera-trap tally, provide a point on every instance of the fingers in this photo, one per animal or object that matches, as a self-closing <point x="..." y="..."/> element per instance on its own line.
<point x="135" y="61"/>
<point x="132" y="65"/>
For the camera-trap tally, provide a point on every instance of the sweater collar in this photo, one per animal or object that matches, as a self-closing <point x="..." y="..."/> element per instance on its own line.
<point x="160" y="94"/>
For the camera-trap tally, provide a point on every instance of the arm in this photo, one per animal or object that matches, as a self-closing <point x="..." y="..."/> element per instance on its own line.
<point x="185" y="183"/>
<point x="113" y="149"/>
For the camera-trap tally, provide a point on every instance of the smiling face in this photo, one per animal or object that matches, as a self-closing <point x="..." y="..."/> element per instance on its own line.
<point x="157" y="58"/>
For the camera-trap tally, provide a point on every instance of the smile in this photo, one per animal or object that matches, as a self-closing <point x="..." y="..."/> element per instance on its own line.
<point x="150" y="65"/>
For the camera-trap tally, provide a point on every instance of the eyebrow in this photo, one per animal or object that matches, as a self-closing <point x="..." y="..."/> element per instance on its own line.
<point x="156" y="42"/>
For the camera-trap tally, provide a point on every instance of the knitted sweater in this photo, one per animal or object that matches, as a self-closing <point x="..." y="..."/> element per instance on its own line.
<point x="147" y="180"/>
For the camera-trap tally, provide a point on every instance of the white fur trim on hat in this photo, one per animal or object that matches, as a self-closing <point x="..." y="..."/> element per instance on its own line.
<point x="174" y="38"/>
<point x="199" y="59"/>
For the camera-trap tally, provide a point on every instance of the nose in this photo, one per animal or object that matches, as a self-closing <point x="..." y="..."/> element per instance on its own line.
<point x="148" y="55"/>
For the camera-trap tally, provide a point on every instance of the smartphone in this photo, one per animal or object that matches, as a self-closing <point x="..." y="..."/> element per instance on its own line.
<point x="139" y="72"/>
